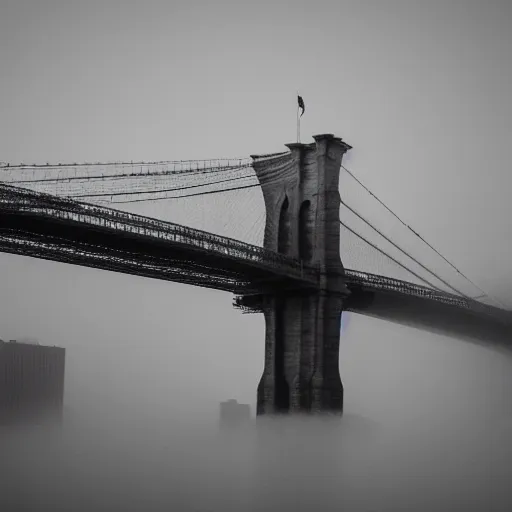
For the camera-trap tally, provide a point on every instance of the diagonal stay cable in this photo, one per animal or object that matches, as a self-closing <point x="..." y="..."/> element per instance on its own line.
<point x="420" y="237"/>
<point x="391" y="258"/>
<point x="402" y="250"/>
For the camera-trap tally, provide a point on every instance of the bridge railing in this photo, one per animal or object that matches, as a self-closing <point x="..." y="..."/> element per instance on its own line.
<point x="18" y="199"/>
<point x="375" y="281"/>
<point x="391" y="284"/>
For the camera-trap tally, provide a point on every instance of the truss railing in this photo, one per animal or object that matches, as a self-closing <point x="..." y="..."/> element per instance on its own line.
<point x="14" y="199"/>
<point x="374" y="281"/>
<point x="18" y="200"/>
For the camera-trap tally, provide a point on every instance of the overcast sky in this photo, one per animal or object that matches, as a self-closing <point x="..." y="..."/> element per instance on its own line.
<point x="421" y="90"/>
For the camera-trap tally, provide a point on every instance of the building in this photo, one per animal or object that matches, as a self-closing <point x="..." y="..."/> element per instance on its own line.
<point x="31" y="382"/>
<point x="234" y="414"/>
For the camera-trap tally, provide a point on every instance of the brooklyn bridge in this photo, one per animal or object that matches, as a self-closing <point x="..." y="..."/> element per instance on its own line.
<point x="296" y="278"/>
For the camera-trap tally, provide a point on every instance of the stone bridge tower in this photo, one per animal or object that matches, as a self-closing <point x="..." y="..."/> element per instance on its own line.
<point x="302" y="201"/>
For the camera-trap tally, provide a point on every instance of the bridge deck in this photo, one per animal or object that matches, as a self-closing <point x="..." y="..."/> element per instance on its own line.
<point x="60" y="229"/>
<point x="417" y="306"/>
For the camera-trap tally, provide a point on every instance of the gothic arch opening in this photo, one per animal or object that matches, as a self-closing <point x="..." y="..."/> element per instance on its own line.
<point x="305" y="231"/>
<point x="284" y="229"/>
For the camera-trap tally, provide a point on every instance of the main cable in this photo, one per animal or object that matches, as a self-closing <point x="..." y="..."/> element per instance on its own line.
<point x="391" y="258"/>
<point x="402" y="250"/>
<point x="186" y="172"/>
<point x="111" y="194"/>
<point x="421" y="238"/>
<point x="264" y="174"/>
<point x="141" y="188"/>
<point x="8" y="166"/>
<point x="183" y="196"/>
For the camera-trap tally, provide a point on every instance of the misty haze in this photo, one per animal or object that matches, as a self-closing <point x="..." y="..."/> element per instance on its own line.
<point x="421" y="90"/>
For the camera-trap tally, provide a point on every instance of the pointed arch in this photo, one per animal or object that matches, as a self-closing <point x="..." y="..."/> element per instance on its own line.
<point x="284" y="228"/>
<point x="305" y="231"/>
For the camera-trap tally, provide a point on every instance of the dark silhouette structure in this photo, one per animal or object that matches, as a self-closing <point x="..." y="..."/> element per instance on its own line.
<point x="296" y="280"/>
<point x="233" y="414"/>
<point x="302" y="336"/>
<point x="31" y="383"/>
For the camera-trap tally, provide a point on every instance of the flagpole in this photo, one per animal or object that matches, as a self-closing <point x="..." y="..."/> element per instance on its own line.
<point x="298" y="120"/>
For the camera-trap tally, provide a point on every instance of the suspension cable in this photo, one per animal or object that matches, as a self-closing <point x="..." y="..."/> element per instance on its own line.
<point x="391" y="258"/>
<point x="140" y="191"/>
<point x="9" y="167"/>
<point x="420" y="237"/>
<point x="132" y="175"/>
<point x="131" y="193"/>
<point x="402" y="250"/>
<point x="273" y="179"/>
<point x="185" y="195"/>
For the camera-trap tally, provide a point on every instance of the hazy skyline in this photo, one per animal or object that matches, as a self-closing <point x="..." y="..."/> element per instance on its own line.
<point x="421" y="90"/>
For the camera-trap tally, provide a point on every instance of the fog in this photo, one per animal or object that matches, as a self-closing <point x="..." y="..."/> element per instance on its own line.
<point x="426" y="426"/>
<point x="154" y="461"/>
<point x="421" y="90"/>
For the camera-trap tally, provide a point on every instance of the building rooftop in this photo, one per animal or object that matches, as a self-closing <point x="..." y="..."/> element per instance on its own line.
<point x="26" y="342"/>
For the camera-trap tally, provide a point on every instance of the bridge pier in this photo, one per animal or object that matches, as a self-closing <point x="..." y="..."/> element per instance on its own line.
<point x="302" y="334"/>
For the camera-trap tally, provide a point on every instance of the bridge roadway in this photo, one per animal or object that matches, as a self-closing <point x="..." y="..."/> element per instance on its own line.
<point x="58" y="229"/>
<point x="417" y="306"/>
<point x="55" y="228"/>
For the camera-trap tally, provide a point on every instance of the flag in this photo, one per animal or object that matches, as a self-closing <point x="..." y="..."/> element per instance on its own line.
<point x="301" y="104"/>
